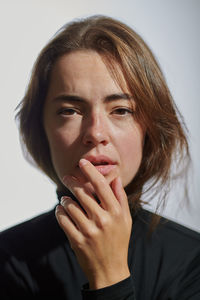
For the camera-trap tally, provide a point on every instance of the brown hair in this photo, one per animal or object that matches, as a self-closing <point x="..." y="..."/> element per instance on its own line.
<point x="165" y="140"/>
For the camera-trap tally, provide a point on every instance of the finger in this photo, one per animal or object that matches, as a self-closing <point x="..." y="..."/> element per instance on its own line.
<point x="100" y="184"/>
<point x="76" y="214"/>
<point x="84" y="197"/>
<point x="67" y="225"/>
<point x="120" y="193"/>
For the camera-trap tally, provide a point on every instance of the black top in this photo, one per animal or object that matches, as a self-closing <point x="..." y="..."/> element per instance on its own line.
<point x="36" y="262"/>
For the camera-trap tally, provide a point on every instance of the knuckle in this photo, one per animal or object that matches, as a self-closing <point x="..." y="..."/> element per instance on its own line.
<point x="116" y="212"/>
<point x="102" y="222"/>
<point x="91" y="232"/>
<point x="130" y="221"/>
<point x="76" y="244"/>
<point x="100" y="182"/>
<point x="61" y="222"/>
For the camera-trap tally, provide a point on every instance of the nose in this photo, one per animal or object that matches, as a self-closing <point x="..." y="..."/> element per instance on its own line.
<point x="95" y="130"/>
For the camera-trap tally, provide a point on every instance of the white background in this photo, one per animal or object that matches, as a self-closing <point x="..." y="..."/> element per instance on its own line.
<point x="170" y="27"/>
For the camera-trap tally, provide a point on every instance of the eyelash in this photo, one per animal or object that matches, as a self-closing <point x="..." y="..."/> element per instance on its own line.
<point x="122" y="111"/>
<point x="66" y="111"/>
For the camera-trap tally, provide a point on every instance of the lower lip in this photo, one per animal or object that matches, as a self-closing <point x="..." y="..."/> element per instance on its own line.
<point x="105" y="169"/>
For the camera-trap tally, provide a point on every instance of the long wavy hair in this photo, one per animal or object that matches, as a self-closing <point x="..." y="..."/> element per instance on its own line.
<point x="165" y="146"/>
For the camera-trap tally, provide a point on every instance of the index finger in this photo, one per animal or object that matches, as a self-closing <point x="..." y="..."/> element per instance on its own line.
<point x="100" y="184"/>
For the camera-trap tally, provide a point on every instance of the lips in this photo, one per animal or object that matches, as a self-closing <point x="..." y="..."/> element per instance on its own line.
<point x="102" y="163"/>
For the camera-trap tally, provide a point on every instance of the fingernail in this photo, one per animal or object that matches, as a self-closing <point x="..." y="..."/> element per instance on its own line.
<point x="83" y="162"/>
<point x="64" y="199"/>
<point x="57" y="208"/>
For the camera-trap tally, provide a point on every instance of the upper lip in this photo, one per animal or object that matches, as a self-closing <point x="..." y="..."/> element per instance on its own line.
<point x="100" y="160"/>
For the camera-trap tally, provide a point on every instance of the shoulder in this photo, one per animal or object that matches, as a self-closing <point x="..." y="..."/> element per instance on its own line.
<point x="170" y="244"/>
<point x="168" y="229"/>
<point x="168" y="234"/>
<point x="32" y="254"/>
<point x="170" y="256"/>
<point x="36" y="233"/>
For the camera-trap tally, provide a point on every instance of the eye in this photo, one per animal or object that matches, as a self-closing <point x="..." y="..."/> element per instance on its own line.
<point x="122" y="111"/>
<point x="67" y="111"/>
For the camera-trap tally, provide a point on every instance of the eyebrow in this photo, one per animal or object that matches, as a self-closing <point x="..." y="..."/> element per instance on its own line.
<point x="109" y="98"/>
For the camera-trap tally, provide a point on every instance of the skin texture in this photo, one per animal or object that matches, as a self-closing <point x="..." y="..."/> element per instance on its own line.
<point x="83" y="117"/>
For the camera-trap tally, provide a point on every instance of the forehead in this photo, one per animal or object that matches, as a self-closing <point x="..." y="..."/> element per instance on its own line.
<point x="86" y="69"/>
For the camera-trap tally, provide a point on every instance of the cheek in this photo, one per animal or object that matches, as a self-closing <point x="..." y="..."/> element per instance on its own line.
<point x="130" y="149"/>
<point x="61" y="145"/>
<point x="60" y="139"/>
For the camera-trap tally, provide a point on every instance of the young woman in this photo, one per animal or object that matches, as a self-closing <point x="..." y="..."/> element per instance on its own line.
<point x="99" y="120"/>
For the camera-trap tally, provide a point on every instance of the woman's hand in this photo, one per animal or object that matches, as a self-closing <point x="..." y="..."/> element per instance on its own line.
<point x="99" y="233"/>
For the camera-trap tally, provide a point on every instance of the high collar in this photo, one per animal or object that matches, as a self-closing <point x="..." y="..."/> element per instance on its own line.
<point x="67" y="192"/>
<point x="133" y="208"/>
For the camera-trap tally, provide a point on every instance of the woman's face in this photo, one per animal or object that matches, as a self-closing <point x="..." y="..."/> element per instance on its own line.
<point x="87" y="115"/>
